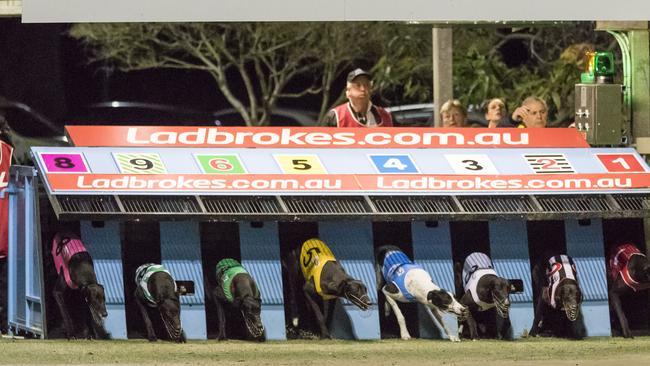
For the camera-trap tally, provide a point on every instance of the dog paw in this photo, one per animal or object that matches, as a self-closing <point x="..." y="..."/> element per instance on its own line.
<point x="294" y="321"/>
<point x="406" y="337"/>
<point x="152" y="339"/>
<point x="454" y="338"/>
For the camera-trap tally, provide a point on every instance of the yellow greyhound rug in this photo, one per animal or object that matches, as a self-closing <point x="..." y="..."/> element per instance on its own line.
<point x="313" y="256"/>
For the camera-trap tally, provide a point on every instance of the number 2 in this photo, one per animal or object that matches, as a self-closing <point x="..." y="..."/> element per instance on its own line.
<point x="548" y="163"/>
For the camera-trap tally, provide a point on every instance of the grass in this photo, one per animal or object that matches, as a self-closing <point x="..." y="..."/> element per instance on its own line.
<point x="541" y="351"/>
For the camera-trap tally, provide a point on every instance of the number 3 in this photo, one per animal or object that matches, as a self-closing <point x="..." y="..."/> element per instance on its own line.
<point x="472" y="165"/>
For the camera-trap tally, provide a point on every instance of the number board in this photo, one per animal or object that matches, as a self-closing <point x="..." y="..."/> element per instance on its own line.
<point x="471" y="164"/>
<point x="139" y="163"/>
<point x="394" y="164"/>
<point x="300" y="164"/>
<point x="370" y="170"/>
<point x="620" y="162"/>
<point x="64" y="163"/>
<point x="549" y="164"/>
<point x="220" y="164"/>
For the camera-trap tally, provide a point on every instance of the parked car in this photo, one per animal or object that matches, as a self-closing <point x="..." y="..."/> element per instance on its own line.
<point x="29" y="128"/>
<point x="280" y="117"/>
<point x="133" y="113"/>
<point x="421" y="115"/>
<point x="139" y="113"/>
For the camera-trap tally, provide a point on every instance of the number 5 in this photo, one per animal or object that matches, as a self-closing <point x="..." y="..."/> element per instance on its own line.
<point x="300" y="164"/>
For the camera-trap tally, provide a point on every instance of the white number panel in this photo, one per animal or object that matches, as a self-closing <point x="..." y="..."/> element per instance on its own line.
<point x="478" y="164"/>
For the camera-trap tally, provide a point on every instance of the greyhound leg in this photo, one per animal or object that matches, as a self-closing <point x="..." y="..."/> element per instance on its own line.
<point x="324" y="332"/>
<point x="436" y="317"/>
<point x="503" y="327"/>
<point x="221" y="317"/>
<point x="622" y="319"/>
<point x="471" y="323"/>
<point x="59" y="298"/>
<point x="404" y="333"/>
<point x="540" y="308"/>
<point x="151" y="334"/>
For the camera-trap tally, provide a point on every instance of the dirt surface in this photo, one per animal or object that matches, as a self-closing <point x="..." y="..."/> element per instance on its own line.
<point x="539" y="351"/>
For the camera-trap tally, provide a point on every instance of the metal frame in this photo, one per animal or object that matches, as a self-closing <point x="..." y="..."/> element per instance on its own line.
<point x="381" y="208"/>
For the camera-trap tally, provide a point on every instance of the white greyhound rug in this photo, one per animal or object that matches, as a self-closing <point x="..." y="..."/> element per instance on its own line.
<point x="476" y="266"/>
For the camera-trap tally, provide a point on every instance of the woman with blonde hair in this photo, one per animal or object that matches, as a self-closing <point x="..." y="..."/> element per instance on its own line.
<point x="453" y="114"/>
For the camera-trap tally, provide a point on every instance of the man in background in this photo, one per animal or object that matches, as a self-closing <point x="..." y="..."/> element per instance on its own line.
<point x="359" y="110"/>
<point x="533" y="113"/>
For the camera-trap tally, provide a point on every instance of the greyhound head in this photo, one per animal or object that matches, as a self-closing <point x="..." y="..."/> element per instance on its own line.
<point x="171" y="316"/>
<point x="569" y="298"/>
<point x="500" y="290"/>
<point x="356" y="292"/>
<point x="94" y="296"/>
<point x="445" y="301"/>
<point x="251" y="308"/>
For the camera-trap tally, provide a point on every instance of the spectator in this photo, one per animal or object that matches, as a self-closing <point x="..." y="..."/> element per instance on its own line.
<point x="496" y="113"/>
<point x="359" y="110"/>
<point x="533" y="113"/>
<point x="453" y="114"/>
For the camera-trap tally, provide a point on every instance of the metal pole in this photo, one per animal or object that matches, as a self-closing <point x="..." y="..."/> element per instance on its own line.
<point x="442" y="70"/>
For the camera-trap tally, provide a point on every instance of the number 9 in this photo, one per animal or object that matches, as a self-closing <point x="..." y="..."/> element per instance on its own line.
<point x="141" y="164"/>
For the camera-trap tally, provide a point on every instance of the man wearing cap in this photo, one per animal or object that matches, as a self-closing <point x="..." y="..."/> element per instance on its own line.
<point x="359" y="110"/>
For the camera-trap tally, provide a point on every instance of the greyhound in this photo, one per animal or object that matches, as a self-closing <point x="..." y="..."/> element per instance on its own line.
<point x="629" y="270"/>
<point x="562" y="293"/>
<point x="485" y="290"/>
<point x="75" y="271"/>
<point x="324" y="277"/>
<point x="237" y="288"/>
<point x="402" y="280"/>
<point x="156" y="288"/>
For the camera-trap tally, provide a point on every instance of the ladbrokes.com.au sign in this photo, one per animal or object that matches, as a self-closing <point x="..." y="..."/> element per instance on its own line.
<point x="321" y="137"/>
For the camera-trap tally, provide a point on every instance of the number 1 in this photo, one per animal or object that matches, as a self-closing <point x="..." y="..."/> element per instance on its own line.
<point x="623" y="163"/>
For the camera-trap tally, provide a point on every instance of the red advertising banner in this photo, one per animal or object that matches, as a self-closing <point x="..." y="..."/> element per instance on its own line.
<point x="323" y="137"/>
<point x="367" y="183"/>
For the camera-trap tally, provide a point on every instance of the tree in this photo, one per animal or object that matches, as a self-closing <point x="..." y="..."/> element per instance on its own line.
<point x="551" y="68"/>
<point x="265" y="58"/>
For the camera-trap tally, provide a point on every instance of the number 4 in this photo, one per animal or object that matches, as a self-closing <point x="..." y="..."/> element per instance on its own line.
<point x="395" y="163"/>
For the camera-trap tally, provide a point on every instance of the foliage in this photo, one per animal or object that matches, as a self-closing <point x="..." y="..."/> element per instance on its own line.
<point x="272" y="61"/>
<point x="555" y="61"/>
<point x="256" y="65"/>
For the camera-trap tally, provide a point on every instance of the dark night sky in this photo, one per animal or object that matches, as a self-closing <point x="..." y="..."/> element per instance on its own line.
<point x="42" y="67"/>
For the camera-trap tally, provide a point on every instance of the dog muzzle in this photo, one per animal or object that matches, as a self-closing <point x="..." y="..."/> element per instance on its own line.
<point x="362" y="302"/>
<point x="253" y="324"/>
<point x="572" y="312"/>
<point x="174" y="333"/>
<point x="502" y="305"/>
